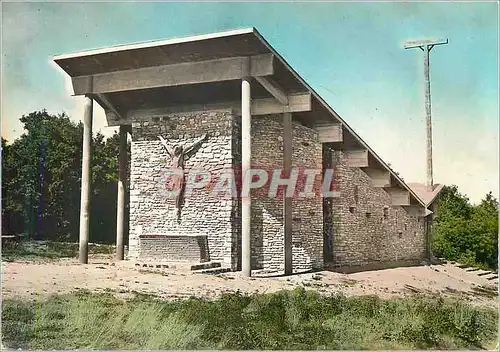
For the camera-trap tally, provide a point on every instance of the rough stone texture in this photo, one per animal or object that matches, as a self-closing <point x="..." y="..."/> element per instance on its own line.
<point x="358" y="228"/>
<point x="174" y="248"/>
<point x="152" y="211"/>
<point x="363" y="232"/>
<point x="267" y="213"/>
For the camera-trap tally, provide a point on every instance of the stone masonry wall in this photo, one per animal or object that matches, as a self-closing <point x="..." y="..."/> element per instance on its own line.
<point x="267" y="213"/>
<point x="152" y="212"/>
<point x="174" y="248"/>
<point x="366" y="228"/>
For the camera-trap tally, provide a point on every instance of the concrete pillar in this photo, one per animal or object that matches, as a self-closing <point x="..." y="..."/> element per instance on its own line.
<point x="246" y="158"/>
<point x="86" y="181"/>
<point x="122" y="178"/>
<point x="287" y="201"/>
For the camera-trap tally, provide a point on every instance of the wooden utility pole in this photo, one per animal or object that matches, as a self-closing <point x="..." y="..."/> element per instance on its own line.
<point x="426" y="46"/>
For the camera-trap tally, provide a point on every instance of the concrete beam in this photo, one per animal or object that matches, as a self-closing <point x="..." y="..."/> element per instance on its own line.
<point x="357" y="157"/>
<point x="175" y="75"/>
<point x="273" y="88"/>
<point x="379" y="177"/>
<point x="298" y="102"/>
<point x="107" y="106"/>
<point x="399" y="196"/>
<point x="414" y="210"/>
<point x="330" y="133"/>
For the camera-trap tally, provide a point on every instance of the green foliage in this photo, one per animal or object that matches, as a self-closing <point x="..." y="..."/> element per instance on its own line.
<point x="41" y="173"/>
<point x="291" y="320"/>
<point x="464" y="232"/>
<point x="42" y="250"/>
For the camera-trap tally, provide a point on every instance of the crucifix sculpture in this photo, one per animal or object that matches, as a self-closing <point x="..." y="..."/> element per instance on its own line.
<point x="178" y="155"/>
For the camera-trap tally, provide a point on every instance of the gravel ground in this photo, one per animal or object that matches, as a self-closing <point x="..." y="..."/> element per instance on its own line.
<point x="31" y="280"/>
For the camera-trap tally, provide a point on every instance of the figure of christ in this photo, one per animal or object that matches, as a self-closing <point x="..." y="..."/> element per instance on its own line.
<point x="178" y="155"/>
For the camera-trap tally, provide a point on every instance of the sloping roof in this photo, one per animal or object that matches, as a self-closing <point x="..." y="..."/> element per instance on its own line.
<point x="240" y="42"/>
<point x="421" y="190"/>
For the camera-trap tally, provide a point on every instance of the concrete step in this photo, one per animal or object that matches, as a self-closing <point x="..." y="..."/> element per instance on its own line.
<point x="207" y="265"/>
<point x="212" y="271"/>
<point x="491" y="277"/>
<point x="484" y="272"/>
<point x="472" y="269"/>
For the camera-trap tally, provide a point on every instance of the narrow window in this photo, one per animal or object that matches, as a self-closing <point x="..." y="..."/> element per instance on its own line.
<point x="386" y="212"/>
<point x="356" y="195"/>
<point x="351" y="210"/>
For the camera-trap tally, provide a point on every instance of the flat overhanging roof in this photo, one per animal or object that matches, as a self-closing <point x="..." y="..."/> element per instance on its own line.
<point x="121" y="63"/>
<point x="240" y="42"/>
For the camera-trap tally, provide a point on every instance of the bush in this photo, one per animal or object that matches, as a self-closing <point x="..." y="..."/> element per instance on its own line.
<point x="464" y="232"/>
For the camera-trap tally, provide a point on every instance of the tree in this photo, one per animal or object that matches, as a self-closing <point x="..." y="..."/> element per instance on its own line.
<point x="41" y="180"/>
<point x="464" y="232"/>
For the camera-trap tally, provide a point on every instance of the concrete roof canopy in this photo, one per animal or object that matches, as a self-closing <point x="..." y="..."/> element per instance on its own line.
<point x="207" y="69"/>
<point x="421" y="190"/>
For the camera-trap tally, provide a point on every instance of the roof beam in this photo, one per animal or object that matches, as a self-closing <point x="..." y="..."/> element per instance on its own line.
<point x="175" y="75"/>
<point x="329" y="133"/>
<point x="399" y="196"/>
<point x="379" y="177"/>
<point x="273" y="88"/>
<point x="106" y="104"/>
<point x="297" y="102"/>
<point x="356" y="157"/>
<point x="415" y="210"/>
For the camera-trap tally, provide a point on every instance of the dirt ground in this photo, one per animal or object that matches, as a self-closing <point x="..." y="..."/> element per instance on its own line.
<point x="31" y="280"/>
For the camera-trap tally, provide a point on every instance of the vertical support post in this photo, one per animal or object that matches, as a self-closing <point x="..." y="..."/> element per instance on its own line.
<point x="428" y="122"/>
<point x="122" y="177"/>
<point x="426" y="46"/>
<point x="86" y="181"/>
<point x="246" y="159"/>
<point x="287" y="201"/>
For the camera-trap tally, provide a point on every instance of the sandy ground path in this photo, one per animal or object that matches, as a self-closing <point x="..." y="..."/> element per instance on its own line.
<point x="30" y="280"/>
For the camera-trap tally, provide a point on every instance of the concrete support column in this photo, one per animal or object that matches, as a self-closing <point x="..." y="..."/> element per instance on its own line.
<point x="246" y="159"/>
<point x="86" y="181"/>
<point x="287" y="201"/>
<point x="122" y="177"/>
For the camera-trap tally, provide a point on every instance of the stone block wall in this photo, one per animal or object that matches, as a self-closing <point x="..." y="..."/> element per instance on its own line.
<point x="176" y="248"/>
<point x="267" y="213"/>
<point x="152" y="211"/>
<point x="367" y="229"/>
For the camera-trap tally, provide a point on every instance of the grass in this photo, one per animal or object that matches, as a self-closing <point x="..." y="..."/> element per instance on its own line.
<point x="40" y="250"/>
<point x="284" y="320"/>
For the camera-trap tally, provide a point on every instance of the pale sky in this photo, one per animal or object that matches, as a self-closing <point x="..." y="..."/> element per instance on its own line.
<point x="350" y="53"/>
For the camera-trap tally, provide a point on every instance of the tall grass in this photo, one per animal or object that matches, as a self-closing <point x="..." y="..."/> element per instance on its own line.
<point x="295" y="319"/>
